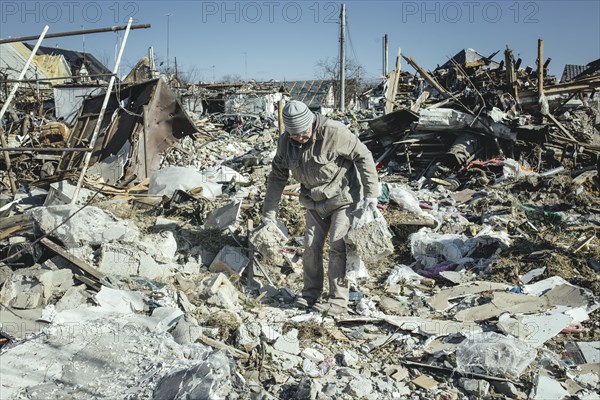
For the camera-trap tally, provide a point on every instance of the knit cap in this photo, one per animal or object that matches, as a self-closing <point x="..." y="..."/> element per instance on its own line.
<point x="297" y="117"/>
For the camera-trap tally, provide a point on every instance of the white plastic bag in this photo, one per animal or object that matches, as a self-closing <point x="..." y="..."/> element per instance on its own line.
<point x="406" y="199"/>
<point x="369" y="235"/>
<point x="355" y="267"/>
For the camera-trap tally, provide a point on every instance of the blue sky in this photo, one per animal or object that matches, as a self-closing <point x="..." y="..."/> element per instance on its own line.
<point x="284" y="40"/>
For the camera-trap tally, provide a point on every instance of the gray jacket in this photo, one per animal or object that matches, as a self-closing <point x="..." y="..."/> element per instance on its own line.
<point x="334" y="168"/>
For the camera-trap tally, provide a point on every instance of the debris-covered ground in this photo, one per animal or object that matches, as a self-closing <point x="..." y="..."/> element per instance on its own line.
<point x="163" y="283"/>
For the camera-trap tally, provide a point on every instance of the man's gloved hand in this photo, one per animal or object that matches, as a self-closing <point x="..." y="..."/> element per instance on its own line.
<point x="368" y="202"/>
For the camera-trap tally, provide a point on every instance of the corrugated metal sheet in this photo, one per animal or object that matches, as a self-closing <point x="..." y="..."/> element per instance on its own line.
<point x="74" y="59"/>
<point x="470" y="58"/>
<point x="313" y="93"/>
<point x="13" y="57"/>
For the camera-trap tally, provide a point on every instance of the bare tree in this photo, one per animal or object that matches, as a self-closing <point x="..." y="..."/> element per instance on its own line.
<point x="231" y="78"/>
<point x="329" y="69"/>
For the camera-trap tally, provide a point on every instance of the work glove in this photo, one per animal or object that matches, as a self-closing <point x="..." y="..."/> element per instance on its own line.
<point x="368" y="202"/>
<point x="268" y="217"/>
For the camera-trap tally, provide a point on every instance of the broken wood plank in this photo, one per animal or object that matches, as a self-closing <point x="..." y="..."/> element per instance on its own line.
<point x="428" y="77"/>
<point x="89" y="282"/>
<point x="220" y="345"/>
<point x="453" y="371"/>
<point x="390" y="96"/>
<point x="560" y="127"/>
<point x="14" y="220"/>
<point x="10" y="231"/>
<point x="73" y="259"/>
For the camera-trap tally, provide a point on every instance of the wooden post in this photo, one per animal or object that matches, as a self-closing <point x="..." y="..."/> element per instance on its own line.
<point x="428" y="78"/>
<point x="511" y="85"/>
<point x="11" y="178"/>
<point x="540" y="71"/>
<point x="280" y="116"/>
<point x="390" y="95"/>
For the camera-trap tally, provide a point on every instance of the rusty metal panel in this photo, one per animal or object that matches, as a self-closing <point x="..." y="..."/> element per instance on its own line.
<point x="147" y="115"/>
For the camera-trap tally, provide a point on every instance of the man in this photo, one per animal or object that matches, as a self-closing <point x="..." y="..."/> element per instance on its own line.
<point x="337" y="174"/>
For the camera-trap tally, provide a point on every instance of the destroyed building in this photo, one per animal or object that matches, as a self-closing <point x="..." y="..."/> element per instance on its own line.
<point x="157" y="279"/>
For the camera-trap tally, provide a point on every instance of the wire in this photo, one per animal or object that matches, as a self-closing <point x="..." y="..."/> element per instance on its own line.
<point x="351" y="44"/>
<point x="87" y="203"/>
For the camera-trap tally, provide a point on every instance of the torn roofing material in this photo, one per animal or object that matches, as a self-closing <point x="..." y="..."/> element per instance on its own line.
<point x="74" y="58"/>
<point x="314" y="93"/>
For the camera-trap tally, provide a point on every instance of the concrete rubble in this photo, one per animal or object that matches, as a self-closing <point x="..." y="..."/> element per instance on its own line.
<point x="161" y="281"/>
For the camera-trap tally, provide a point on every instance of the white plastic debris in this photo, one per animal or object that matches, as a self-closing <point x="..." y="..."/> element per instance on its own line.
<point x="405" y="198"/>
<point x="494" y="354"/>
<point x="402" y="273"/>
<point x="166" y="181"/>
<point x="223" y="174"/>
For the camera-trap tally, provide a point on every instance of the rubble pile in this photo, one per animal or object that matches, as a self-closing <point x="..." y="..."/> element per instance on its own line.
<point x="158" y="280"/>
<point x="473" y="108"/>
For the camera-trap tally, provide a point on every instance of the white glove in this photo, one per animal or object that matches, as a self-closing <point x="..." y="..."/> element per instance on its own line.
<point x="368" y="202"/>
<point x="267" y="219"/>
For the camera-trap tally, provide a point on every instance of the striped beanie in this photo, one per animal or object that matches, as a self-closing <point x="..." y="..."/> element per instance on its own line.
<point x="297" y="117"/>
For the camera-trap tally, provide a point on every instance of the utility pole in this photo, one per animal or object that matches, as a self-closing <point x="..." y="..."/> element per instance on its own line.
<point x="168" y="64"/>
<point x="176" y="72"/>
<point x="385" y="54"/>
<point x="343" y="58"/>
<point x="245" y="66"/>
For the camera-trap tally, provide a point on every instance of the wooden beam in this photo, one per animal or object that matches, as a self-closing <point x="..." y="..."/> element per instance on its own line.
<point x="73" y="259"/>
<point x="428" y="77"/>
<point x="540" y="72"/>
<point x="390" y="96"/>
<point x="561" y="127"/>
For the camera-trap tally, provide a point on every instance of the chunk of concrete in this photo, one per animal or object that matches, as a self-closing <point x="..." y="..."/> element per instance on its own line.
<point x="308" y="389"/>
<point x="221" y="292"/>
<point x="350" y="358"/>
<point x="313" y="355"/>
<point x="248" y="336"/>
<point x="32" y="287"/>
<point x="210" y="379"/>
<point x="186" y="332"/>
<point x="475" y="387"/>
<point x="508" y="389"/>
<point x="370" y="240"/>
<point x="123" y="259"/>
<point x="269" y="240"/>
<point x="162" y="245"/>
<point x="91" y="226"/>
<point x="288" y="343"/>
<point x="548" y="388"/>
<point x="72" y="298"/>
<point x="119" y="301"/>
<point x="166" y="317"/>
<point x="359" y="388"/>
<point x="230" y="260"/>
